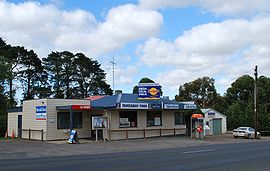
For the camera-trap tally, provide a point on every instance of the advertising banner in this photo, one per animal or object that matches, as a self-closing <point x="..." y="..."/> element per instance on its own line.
<point x="41" y="113"/>
<point x="99" y="122"/>
<point x="149" y="91"/>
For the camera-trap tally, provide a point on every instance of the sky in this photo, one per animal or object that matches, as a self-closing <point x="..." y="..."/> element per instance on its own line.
<point x="171" y="42"/>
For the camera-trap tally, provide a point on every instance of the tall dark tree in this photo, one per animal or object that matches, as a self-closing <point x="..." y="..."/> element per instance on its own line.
<point x="29" y="74"/>
<point x="90" y="78"/>
<point x="75" y="76"/>
<point x="201" y="90"/>
<point x="54" y="68"/>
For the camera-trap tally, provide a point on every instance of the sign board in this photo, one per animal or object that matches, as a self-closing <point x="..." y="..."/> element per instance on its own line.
<point x="41" y="112"/>
<point x="99" y="122"/>
<point x="190" y="106"/>
<point x="171" y="106"/>
<point x="155" y="106"/>
<point x="149" y="91"/>
<point x="134" y="106"/>
<point x="81" y="107"/>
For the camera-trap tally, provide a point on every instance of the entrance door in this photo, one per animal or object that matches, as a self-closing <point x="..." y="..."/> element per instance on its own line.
<point x="93" y="131"/>
<point x="217" y="126"/>
<point x="19" y="126"/>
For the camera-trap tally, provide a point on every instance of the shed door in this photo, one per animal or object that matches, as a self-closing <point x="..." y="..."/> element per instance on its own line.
<point x="19" y="126"/>
<point x="217" y="126"/>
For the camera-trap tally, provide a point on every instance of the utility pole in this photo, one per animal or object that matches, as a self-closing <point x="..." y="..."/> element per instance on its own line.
<point x="113" y="64"/>
<point x="255" y="101"/>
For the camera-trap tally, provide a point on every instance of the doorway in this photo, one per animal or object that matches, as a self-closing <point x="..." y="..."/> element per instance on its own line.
<point x="19" y="126"/>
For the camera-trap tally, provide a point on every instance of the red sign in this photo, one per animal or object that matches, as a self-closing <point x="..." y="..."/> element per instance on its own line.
<point x="197" y="116"/>
<point x="81" y="107"/>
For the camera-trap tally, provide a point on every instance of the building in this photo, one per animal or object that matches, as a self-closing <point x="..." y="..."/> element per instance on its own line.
<point x="121" y="116"/>
<point x="216" y="121"/>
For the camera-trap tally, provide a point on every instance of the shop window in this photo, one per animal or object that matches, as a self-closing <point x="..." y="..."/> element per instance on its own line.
<point x="179" y="118"/>
<point x="63" y="119"/>
<point x="127" y="119"/>
<point x="154" y="118"/>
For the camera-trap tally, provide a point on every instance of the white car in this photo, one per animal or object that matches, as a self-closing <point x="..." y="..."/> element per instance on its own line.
<point x="246" y="132"/>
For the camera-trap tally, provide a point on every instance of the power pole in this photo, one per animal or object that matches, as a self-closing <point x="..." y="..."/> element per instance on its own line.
<point x="113" y="64"/>
<point x="255" y="101"/>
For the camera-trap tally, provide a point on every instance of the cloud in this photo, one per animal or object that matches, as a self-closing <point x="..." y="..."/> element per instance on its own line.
<point x="46" y="28"/>
<point x="225" y="51"/>
<point x="220" y="7"/>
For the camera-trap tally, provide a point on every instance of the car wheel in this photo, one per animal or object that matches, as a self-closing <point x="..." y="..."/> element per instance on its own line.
<point x="235" y="136"/>
<point x="249" y="136"/>
<point x="258" y="136"/>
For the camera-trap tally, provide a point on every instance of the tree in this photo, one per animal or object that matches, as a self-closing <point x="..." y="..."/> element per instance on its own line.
<point x="143" y="80"/>
<point x="201" y="90"/>
<point x="31" y="71"/>
<point x="53" y="66"/>
<point x="75" y="76"/>
<point x="240" y="102"/>
<point x="90" y="78"/>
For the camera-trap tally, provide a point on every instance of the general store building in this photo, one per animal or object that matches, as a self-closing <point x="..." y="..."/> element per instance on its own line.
<point x="127" y="118"/>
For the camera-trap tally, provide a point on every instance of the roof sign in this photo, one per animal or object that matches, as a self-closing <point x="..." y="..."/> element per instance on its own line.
<point x="149" y="91"/>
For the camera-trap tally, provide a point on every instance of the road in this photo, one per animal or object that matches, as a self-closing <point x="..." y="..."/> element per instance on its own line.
<point x="246" y="157"/>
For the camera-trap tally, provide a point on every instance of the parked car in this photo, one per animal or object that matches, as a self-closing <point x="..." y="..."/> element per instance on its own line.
<point x="246" y="132"/>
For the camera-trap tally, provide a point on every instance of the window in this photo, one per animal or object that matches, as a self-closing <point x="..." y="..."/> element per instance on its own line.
<point x="179" y="119"/>
<point x="127" y="119"/>
<point x="154" y="118"/>
<point x="63" y="119"/>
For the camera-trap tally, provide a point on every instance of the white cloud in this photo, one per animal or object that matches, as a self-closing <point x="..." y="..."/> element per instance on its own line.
<point x="220" y="7"/>
<point x="46" y="28"/>
<point x="225" y="51"/>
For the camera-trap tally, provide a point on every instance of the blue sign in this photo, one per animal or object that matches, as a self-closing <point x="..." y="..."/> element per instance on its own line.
<point x="41" y="112"/>
<point x="72" y="137"/>
<point x="149" y="91"/>
<point x="171" y="106"/>
<point x="155" y="106"/>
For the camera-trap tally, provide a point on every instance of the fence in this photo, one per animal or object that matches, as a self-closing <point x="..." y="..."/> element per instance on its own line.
<point x="34" y="130"/>
<point x="144" y="132"/>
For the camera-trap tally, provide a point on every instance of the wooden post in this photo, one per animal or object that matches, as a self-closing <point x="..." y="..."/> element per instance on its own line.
<point x="174" y="132"/>
<point x="126" y="134"/>
<point x="42" y="135"/>
<point x="144" y="133"/>
<point x="110" y="135"/>
<point x="29" y="134"/>
<point x="160" y="132"/>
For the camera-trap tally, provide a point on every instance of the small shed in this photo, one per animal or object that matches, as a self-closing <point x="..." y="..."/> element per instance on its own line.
<point x="216" y="121"/>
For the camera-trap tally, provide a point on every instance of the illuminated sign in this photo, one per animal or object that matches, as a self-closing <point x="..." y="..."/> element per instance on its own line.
<point x="149" y="91"/>
<point x="41" y="112"/>
<point x="81" y="107"/>
<point x="134" y="106"/>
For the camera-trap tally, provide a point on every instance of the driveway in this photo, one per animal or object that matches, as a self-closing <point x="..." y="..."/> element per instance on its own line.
<point x="31" y="149"/>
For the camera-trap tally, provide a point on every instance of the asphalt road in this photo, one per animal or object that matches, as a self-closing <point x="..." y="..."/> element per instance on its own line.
<point x="246" y="157"/>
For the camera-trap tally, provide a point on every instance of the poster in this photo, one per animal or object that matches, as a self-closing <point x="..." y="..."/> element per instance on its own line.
<point x="99" y="122"/>
<point x="41" y="113"/>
